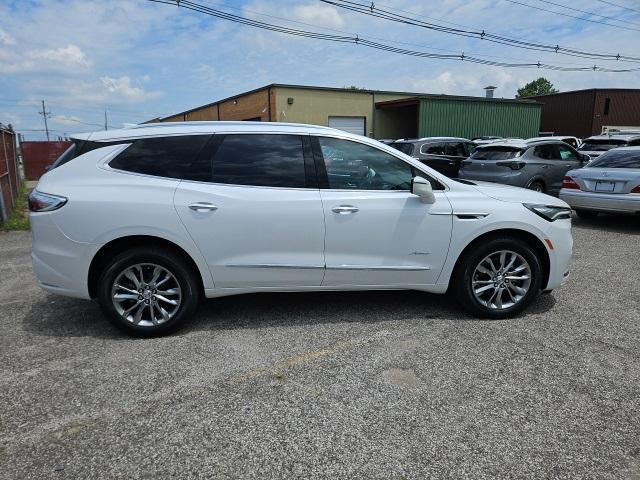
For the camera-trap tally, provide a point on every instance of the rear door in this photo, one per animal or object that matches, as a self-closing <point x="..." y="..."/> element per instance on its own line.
<point x="258" y="221"/>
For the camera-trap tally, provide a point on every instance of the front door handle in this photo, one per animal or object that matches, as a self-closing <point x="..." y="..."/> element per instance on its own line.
<point x="202" y="207"/>
<point x="344" y="209"/>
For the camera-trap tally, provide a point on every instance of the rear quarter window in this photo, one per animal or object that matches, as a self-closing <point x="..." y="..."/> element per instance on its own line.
<point x="496" y="153"/>
<point x="170" y="157"/>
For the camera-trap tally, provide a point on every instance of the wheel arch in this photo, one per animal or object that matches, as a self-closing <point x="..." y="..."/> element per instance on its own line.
<point x="121" y="244"/>
<point x="539" y="179"/>
<point x="523" y="235"/>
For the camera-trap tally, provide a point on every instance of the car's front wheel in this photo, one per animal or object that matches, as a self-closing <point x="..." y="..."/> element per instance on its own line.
<point x="498" y="279"/>
<point x="148" y="291"/>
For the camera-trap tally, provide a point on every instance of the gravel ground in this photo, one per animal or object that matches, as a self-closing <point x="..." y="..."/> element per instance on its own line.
<point x="397" y="385"/>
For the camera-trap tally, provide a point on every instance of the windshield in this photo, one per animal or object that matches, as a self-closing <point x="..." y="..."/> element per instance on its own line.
<point x="601" y="145"/>
<point x="617" y="159"/>
<point x="406" y="148"/>
<point x="496" y="153"/>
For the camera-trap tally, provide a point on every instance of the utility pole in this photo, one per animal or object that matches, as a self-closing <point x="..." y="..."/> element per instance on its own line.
<point x="105" y="119"/>
<point x="45" y="114"/>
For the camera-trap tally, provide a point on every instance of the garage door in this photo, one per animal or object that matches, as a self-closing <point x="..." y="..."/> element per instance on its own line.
<point x="348" y="124"/>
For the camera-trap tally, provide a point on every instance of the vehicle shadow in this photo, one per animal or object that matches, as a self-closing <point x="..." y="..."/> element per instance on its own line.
<point x="81" y="318"/>
<point x="612" y="223"/>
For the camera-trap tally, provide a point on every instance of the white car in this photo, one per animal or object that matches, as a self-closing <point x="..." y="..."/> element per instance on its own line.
<point x="150" y="219"/>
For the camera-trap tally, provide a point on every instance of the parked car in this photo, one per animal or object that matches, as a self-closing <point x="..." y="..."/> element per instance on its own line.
<point x="444" y="154"/>
<point x="573" y="141"/>
<point x="150" y="219"/>
<point x="537" y="165"/>
<point x="611" y="183"/>
<point x="598" y="144"/>
<point x="486" y="139"/>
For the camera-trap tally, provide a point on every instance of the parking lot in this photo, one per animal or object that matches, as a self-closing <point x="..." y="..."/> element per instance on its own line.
<point x="331" y="385"/>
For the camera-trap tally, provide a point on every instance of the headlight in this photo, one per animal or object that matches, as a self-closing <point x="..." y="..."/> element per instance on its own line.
<point x="549" y="212"/>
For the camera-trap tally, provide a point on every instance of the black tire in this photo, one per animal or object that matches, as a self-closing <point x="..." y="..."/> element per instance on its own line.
<point x="586" y="214"/>
<point x="182" y="272"/>
<point x="537" y="186"/>
<point x="463" y="276"/>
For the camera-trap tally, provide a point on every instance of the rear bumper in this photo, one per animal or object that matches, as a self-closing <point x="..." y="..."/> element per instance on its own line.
<point x="603" y="202"/>
<point x="60" y="264"/>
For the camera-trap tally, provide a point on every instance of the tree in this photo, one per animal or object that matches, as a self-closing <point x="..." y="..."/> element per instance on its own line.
<point x="540" y="86"/>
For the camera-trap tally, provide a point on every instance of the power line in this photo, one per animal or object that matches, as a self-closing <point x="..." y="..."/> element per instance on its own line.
<point x="372" y="10"/>
<point x="549" y="2"/>
<point x="382" y="39"/>
<point x="619" y="6"/>
<point x="371" y="44"/>
<point x="573" y="16"/>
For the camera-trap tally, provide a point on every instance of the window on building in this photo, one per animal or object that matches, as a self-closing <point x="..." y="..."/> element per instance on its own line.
<point x="260" y="160"/>
<point x="607" y="105"/>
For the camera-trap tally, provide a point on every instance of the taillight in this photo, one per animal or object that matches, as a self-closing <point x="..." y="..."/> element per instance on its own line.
<point x="570" y="184"/>
<point x="45" y="202"/>
<point x="512" y="165"/>
<point x="636" y="189"/>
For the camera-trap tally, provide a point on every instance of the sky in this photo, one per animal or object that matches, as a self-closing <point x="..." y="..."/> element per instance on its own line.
<point x="138" y="60"/>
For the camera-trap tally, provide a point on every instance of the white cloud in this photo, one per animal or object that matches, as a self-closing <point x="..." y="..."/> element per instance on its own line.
<point x="69" y="56"/>
<point x="121" y="87"/>
<point x="66" y="119"/>
<point x="6" y="39"/>
<point x="319" y="14"/>
<point x="70" y="59"/>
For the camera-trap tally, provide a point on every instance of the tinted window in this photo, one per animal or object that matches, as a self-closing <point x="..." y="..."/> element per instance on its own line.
<point x="547" y="152"/>
<point x="496" y="153"/>
<point x="455" y="149"/>
<point x="566" y="153"/>
<point x="406" y="148"/>
<point x="601" y="145"/>
<point x="260" y="160"/>
<point x="617" y="159"/>
<point x="67" y="155"/>
<point x="171" y="157"/>
<point x="432" y="149"/>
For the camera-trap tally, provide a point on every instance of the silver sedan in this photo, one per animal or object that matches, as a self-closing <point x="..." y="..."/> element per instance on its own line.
<point x="609" y="184"/>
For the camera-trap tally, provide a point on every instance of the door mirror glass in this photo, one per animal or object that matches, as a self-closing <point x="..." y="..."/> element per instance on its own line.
<point x="422" y="188"/>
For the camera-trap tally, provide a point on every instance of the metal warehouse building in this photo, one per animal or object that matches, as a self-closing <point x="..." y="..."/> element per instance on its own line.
<point x="375" y="113"/>
<point x="583" y="113"/>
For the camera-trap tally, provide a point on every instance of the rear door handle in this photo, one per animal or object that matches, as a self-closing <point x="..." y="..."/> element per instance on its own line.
<point x="202" y="207"/>
<point x="344" y="209"/>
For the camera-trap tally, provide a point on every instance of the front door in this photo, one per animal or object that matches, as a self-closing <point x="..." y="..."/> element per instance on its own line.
<point x="377" y="232"/>
<point x="259" y="222"/>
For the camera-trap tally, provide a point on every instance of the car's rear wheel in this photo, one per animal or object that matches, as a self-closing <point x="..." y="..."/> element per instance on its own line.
<point x="586" y="213"/>
<point x="498" y="279"/>
<point x="537" y="187"/>
<point x="148" y="291"/>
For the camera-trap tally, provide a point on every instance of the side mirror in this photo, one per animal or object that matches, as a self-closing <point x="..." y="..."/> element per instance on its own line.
<point x="422" y="188"/>
<point x="585" y="158"/>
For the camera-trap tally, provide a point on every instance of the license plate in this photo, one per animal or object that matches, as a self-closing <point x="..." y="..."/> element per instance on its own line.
<point x="603" y="186"/>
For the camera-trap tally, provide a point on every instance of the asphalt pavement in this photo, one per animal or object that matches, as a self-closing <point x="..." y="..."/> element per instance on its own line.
<point x="390" y="385"/>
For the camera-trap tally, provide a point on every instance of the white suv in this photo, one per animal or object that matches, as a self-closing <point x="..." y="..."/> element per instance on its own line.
<point x="150" y="219"/>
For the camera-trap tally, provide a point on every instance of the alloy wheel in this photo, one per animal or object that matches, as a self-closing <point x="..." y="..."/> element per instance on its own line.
<point x="501" y="279"/>
<point x="146" y="294"/>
